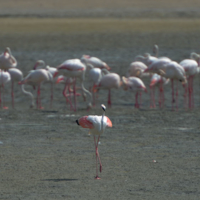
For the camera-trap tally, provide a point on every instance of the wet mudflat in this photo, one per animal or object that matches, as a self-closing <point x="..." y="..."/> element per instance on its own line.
<point x="148" y="154"/>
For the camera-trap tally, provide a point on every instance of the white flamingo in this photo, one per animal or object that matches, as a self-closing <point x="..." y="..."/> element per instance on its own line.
<point x="135" y="85"/>
<point x="97" y="126"/>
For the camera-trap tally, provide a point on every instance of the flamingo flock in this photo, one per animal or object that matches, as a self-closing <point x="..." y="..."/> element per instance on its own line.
<point x="76" y="73"/>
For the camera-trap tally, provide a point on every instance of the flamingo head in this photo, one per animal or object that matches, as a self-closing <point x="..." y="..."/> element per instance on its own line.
<point x="103" y="107"/>
<point x="40" y="64"/>
<point x="125" y="83"/>
<point x="60" y="79"/>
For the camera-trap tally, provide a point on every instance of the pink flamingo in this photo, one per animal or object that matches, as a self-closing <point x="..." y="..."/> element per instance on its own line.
<point x="191" y="68"/>
<point x="97" y="126"/>
<point x="135" y="85"/>
<point x="157" y="80"/>
<point x="96" y="62"/>
<point x="35" y="78"/>
<point x="74" y="68"/>
<point x="4" y="78"/>
<point x="109" y="81"/>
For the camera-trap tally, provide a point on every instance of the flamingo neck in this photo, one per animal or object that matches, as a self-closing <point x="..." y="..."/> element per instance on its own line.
<point x="102" y="121"/>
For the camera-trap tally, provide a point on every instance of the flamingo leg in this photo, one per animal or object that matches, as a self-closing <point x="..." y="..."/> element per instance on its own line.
<point x="161" y="94"/>
<point x="176" y="95"/>
<point x="93" y="96"/>
<point x="0" y="97"/>
<point x="39" y="106"/>
<point x="74" y="90"/>
<point x="173" y="100"/>
<point x="109" y="98"/>
<point x="185" y="94"/>
<point x="140" y="99"/>
<point x="12" y="94"/>
<point x="192" y="94"/>
<point x="136" y="101"/>
<point x="65" y="95"/>
<point x="51" y="102"/>
<point x="97" y="157"/>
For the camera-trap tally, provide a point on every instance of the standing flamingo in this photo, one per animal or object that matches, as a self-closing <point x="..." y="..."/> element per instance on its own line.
<point x="157" y="80"/>
<point x="174" y="71"/>
<point x="191" y="69"/>
<point x="97" y="126"/>
<point x="40" y="64"/>
<point x="109" y="81"/>
<point x="96" y="62"/>
<point x="135" y="85"/>
<point x="16" y="76"/>
<point x="95" y="75"/>
<point x="74" y="68"/>
<point x="7" y="61"/>
<point x="35" y="78"/>
<point x="4" y="78"/>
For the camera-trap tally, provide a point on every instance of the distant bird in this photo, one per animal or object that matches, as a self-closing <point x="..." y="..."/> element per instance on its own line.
<point x="96" y="62"/>
<point x="36" y="78"/>
<point x="4" y="78"/>
<point x="191" y="68"/>
<point x="108" y="82"/>
<point x="135" y="85"/>
<point x="157" y="80"/>
<point x="74" y="68"/>
<point x="97" y="126"/>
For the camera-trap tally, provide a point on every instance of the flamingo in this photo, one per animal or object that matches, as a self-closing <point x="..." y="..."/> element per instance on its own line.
<point x="96" y="62"/>
<point x="97" y="126"/>
<point x="95" y="75"/>
<point x="16" y="76"/>
<point x="191" y="68"/>
<point x="4" y="78"/>
<point x="109" y="81"/>
<point x="174" y="71"/>
<point x="7" y="60"/>
<point x="67" y="81"/>
<point x="135" y="85"/>
<point x="35" y="78"/>
<point x="74" y="68"/>
<point x="157" y="80"/>
<point x="40" y="64"/>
